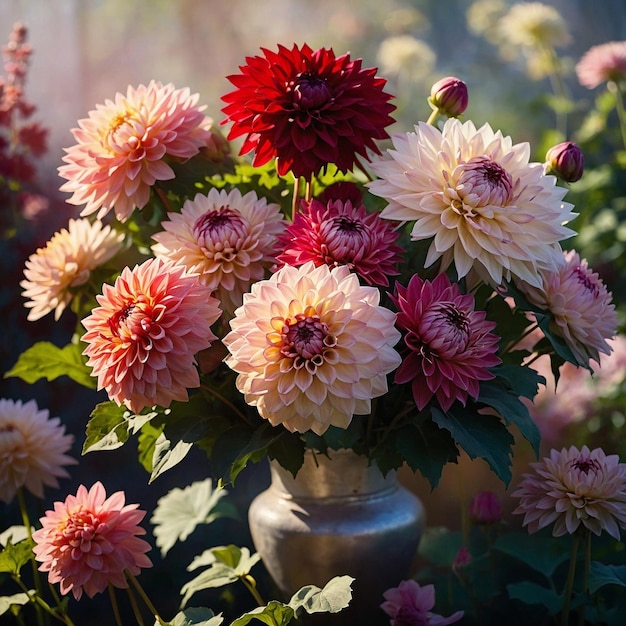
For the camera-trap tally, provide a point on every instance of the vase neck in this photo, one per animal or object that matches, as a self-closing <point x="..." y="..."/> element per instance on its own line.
<point x="344" y="474"/>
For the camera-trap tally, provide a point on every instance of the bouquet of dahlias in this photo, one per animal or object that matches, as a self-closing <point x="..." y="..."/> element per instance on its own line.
<point x="345" y="289"/>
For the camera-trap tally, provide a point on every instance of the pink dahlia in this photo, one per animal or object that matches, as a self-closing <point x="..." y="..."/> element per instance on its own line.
<point x="581" y="308"/>
<point x="307" y="108"/>
<point x="312" y="347"/>
<point x="123" y="146"/>
<point x="475" y="194"/>
<point x="53" y="273"/>
<point x="602" y="63"/>
<point x="574" y="487"/>
<point x="410" y="604"/>
<point x="142" y="339"/>
<point x="33" y="449"/>
<point x="229" y="240"/>
<point x="450" y="344"/>
<point x="89" y="541"/>
<point x="340" y="233"/>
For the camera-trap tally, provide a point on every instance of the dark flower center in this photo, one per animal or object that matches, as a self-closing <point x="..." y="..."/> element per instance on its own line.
<point x="306" y="339"/>
<point x="586" y="465"/>
<point x="586" y="280"/>
<point x="219" y="233"/>
<point x="310" y="92"/>
<point x="483" y="182"/>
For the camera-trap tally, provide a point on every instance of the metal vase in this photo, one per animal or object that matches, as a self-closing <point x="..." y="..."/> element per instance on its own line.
<point x="338" y="516"/>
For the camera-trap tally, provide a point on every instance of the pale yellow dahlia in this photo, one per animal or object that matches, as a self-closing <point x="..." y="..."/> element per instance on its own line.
<point x="475" y="193"/>
<point x="122" y="147"/>
<point x="227" y="239"/>
<point x="64" y="263"/>
<point x="534" y="24"/>
<point x="312" y="347"/>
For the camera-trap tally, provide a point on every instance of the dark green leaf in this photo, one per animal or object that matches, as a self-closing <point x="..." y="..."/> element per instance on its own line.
<point x="274" y="614"/>
<point x="14" y="557"/>
<point x="107" y="429"/>
<point x="440" y="545"/>
<point x="146" y="444"/>
<point x="522" y="381"/>
<point x="288" y="450"/>
<point x="45" y="360"/>
<point x="531" y="593"/>
<point x="483" y="436"/>
<point x="541" y="552"/>
<point x="601" y="574"/>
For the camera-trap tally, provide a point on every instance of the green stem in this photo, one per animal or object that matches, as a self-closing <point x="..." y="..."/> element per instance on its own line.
<point x="587" y="553"/>
<point x="296" y="198"/>
<point x="569" y="583"/>
<point x="558" y="88"/>
<point x="432" y="117"/>
<point x="227" y="402"/>
<point x="135" y="607"/>
<point x="163" y="197"/>
<point x="250" y="585"/>
<point x="114" y="605"/>
<point x="615" y="88"/>
<point x="40" y="603"/>
<point x="525" y="334"/>
<point x="144" y="596"/>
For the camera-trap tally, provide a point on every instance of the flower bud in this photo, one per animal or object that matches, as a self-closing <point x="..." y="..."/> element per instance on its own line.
<point x="566" y="161"/>
<point x="485" y="508"/>
<point x="449" y="96"/>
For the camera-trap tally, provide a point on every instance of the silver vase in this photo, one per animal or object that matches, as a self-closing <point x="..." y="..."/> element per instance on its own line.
<point x="338" y="516"/>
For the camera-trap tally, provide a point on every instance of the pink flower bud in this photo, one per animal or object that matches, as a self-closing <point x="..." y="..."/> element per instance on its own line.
<point x="462" y="558"/>
<point x="566" y="161"/>
<point x="449" y="96"/>
<point x="485" y="508"/>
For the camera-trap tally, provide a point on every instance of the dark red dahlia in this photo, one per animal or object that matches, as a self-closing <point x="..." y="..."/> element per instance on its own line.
<point x="307" y="108"/>
<point x="340" y="233"/>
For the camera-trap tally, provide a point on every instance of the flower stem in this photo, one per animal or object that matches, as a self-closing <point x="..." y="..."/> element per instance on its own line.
<point x="296" y="198"/>
<point x="135" y="607"/>
<point x="144" y="596"/>
<point x="114" y="605"/>
<point x="40" y="603"/>
<point x="250" y="585"/>
<point x="587" y="554"/>
<point x="432" y="117"/>
<point x="227" y="402"/>
<point x="569" y="583"/>
<point x="163" y="197"/>
<point x="615" y="88"/>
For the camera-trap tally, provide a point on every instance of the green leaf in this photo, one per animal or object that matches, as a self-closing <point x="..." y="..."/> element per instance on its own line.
<point x="146" y="444"/>
<point x="483" y="436"/>
<point x="601" y="574"/>
<point x="107" y="428"/>
<point x="274" y="614"/>
<point x="288" y="450"/>
<point x="334" y="597"/>
<point x="6" y="602"/>
<point x="531" y="593"/>
<point x="195" y="616"/>
<point x="14" y="557"/>
<point x="542" y="553"/>
<point x="512" y="410"/>
<point x="440" y="545"/>
<point x="45" y="360"/>
<point x="178" y="513"/>
<point x="165" y="457"/>
<point x="522" y="381"/>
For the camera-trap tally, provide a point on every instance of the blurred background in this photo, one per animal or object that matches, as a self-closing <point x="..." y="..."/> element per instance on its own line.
<point x="521" y="78"/>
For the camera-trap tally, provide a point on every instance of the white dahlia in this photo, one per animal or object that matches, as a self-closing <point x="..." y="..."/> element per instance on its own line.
<point x="312" y="347"/>
<point x="475" y="193"/>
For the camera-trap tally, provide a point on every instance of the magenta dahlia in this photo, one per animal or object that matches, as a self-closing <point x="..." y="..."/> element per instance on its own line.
<point x="339" y="233"/>
<point x="450" y="344"/>
<point x="307" y="108"/>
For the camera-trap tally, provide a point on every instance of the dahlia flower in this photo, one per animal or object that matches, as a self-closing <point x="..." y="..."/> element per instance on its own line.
<point x="405" y="55"/>
<point x="123" y="146"/>
<point x="307" y="108"/>
<point x="66" y="262"/>
<point x="340" y="233"/>
<point x="410" y="604"/>
<point x="312" y="347"/>
<point x="534" y="24"/>
<point x="88" y="541"/>
<point x="476" y="194"/>
<point x="226" y="238"/>
<point x="582" y="310"/>
<point x="574" y="487"/>
<point x="602" y="63"/>
<point x="33" y="449"/>
<point x="142" y="339"/>
<point x="450" y="344"/>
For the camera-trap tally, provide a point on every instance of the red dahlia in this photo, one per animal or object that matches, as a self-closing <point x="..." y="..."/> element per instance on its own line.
<point x="307" y="108"/>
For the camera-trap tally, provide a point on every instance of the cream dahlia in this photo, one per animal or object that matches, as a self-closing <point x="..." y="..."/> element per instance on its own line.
<point x="227" y="239"/>
<point x="602" y="63"/>
<point x="123" y="146"/>
<point x="88" y="541"/>
<point x="574" y="487"/>
<point x="312" y="347"/>
<point x="582" y="311"/>
<point x="340" y="233"/>
<point x="66" y="262"/>
<point x="142" y="339"/>
<point x="33" y="449"/>
<point x="534" y="24"/>
<point x="449" y="344"/>
<point x="476" y="195"/>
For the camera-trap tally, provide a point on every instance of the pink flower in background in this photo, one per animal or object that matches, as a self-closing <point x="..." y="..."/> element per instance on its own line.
<point x="485" y="508"/>
<point x="602" y="63"/>
<point x="308" y="109"/>
<point x="142" y="339"/>
<point x="33" y="449"/>
<point x="410" y="604"/>
<point x="312" y="347"/>
<point x="450" y="344"/>
<point x="582" y="310"/>
<point x="340" y="233"/>
<point x="123" y="146"/>
<point x="88" y="541"/>
<point x="472" y="191"/>
<point x="229" y="240"/>
<point x="574" y="487"/>
<point x="66" y="262"/>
